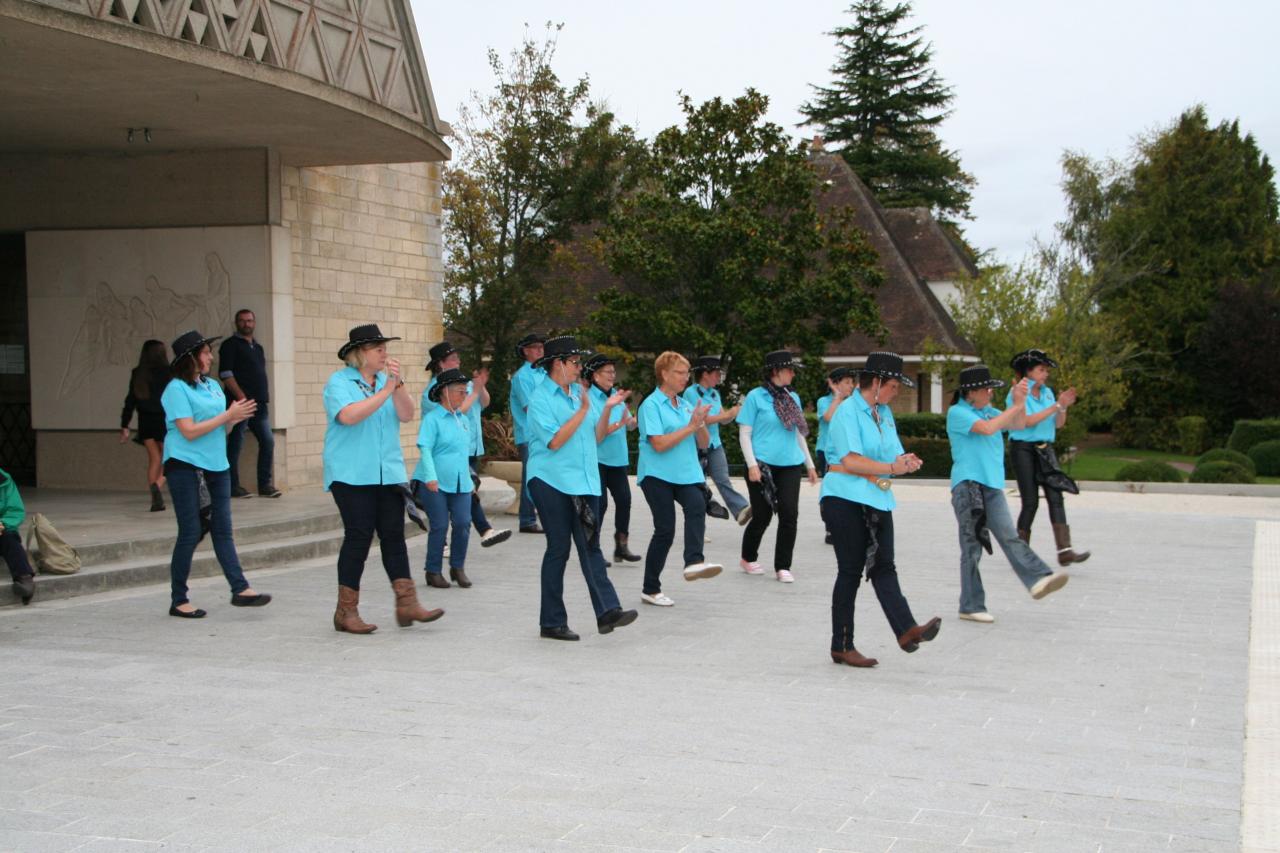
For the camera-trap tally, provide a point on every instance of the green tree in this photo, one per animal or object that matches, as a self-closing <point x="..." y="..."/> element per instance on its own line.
<point x="1160" y="234"/>
<point x="532" y="158"/>
<point x="722" y="249"/>
<point x="884" y="108"/>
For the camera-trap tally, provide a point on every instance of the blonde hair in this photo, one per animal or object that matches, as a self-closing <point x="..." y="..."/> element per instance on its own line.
<point x="666" y="361"/>
<point x="355" y="355"/>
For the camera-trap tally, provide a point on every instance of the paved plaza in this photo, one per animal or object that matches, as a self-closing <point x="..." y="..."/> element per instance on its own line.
<point x="1110" y="716"/>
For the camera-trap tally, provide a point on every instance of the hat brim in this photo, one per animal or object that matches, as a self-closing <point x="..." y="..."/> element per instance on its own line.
<point x="194" y="348"/>
<point x="902" y="379"/>
<point x="990" y="383"/>
<point x="547" y="359"/>
<point x="350" y="345"/>
<point x="437" y="390"/>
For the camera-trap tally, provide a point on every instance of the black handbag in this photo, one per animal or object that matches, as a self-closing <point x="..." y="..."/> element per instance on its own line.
<point x="1049" y="473"/>
<point x="767" y="487"/>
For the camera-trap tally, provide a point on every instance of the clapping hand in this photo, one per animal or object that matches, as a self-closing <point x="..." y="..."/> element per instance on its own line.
<point x="241" y="410"/>
<point x="618" y="396"/>
<point x="1020" y="392"/>
<point x="481" y="376"/>
<point x="1068" y="398"/>
<point x="393" y="374"/>
<point x="699" y="418"/>
<point x="909" y="462"/>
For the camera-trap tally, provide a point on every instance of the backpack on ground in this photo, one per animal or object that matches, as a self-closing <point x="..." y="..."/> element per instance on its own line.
<point x="52" y="555"/>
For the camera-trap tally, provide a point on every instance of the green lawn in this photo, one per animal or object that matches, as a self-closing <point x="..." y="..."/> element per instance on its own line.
<point x="1102" y="463"/>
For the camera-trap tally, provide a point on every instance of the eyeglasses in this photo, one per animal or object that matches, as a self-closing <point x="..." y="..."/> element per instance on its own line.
<point x="576" y="362"/>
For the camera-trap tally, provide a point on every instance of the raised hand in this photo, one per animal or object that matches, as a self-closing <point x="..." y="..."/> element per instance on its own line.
<point x="1020" y="392"/>
<point x="699" y="418"/>
<point x="1068" y="398"/>
<point x="481" y="376"/>
<point x="617" y="397"/>
<point x="241" y="410"/>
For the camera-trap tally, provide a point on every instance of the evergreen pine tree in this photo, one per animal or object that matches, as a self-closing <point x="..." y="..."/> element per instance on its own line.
<point x="883" y="109"/>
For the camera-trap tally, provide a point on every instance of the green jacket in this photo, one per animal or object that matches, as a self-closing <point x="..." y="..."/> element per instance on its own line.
<point x="12" y="510"/>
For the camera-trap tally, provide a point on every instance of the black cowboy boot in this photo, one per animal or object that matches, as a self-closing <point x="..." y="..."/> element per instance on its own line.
<point x="620" y="550"/>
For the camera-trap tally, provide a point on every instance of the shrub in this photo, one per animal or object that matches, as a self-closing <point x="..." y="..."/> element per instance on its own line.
<point x="1221" y="472"/>
<point x="1149" y="471"/>
<point x="1221" y="454"/>
<point x="1248" y="433"/>
<point x="1266" y="458"/>
<point x="936" y="453"/>
<point x="921" y="425"/>
<point x="1193" y="434"/>
<point x="1135" y="432"/>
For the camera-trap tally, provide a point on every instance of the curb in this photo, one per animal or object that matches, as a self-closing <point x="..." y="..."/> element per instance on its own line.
<point x="1235" y="490"/>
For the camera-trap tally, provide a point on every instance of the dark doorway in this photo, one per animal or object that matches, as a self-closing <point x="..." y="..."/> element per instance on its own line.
<point x="17" y="439"/>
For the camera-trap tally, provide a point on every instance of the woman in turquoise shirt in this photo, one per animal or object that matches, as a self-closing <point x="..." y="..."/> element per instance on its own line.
<point x="364" y="471"/>
<point x="857" y="504"/>
<point x="772" y="431"/>
<point x="523" y="383"/>
<point x="975" y="429"/>
<point x="708" y="372"/>
<point x="841" y="381"/>
<point x="1032" y="451"/>
<point x="611" y="420"/>
<point x="564" y="479"/>
<point x="671" y="431"/>
<point x="196" y="418"/>
<point x="442" y="480"/>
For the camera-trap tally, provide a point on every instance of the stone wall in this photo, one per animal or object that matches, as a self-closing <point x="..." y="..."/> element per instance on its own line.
<point x="366" y="248"/>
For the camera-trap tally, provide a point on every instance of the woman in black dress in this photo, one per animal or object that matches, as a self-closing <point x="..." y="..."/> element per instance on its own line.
<point x="146" y="384"/>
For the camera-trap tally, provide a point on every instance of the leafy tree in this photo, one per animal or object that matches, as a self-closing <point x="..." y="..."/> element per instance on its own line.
<point x="884" y="107"/>
<point x="722" y="249"/>
<point x="1237" y="347"/>
<point x="533" y="157"/>
<point x="1195" y="207"/>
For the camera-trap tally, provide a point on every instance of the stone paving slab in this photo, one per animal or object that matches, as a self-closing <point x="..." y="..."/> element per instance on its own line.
<point x="1110" y="716"/>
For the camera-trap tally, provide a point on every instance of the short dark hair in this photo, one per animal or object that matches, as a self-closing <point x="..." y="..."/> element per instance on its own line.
<point x="245" y="311"/>
<point x="866" y="380"/>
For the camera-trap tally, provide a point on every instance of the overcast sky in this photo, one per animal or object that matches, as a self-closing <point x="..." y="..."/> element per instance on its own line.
<point x="1031" y="78"/>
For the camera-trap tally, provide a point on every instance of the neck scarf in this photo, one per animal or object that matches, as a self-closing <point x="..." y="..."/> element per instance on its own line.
<point x="786" y="409"/>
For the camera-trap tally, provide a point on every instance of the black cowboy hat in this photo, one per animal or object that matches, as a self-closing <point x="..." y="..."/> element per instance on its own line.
<point x="187" y="343"/>
<point x="978" y="376"/>
<point x="439" y="353"/>
<point x="452" y="376"/>
<point x="564" y="346"/>
<point x="704" y="363"/>
<point x="361" y="335"/>
<point x="779" y="359"/>
<point x="595" y="361"/>
<point x="528" y="340"/>
<point x="842" y="373"/>
<point x="887" y="365"/>
<point x="1029" y="358"/>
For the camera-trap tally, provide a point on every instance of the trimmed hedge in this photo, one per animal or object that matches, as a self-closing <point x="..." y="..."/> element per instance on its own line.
<point x="921" y="425"/>
<point x="1248" y="433"/>
<point x="1266" y="458"/>
<point x="1221" y="472"/>
<point x="1221" y="454"/>
<point x="1149" y="471"/>
<point x="936" y="454"/>
<point x="1193" y="435"/>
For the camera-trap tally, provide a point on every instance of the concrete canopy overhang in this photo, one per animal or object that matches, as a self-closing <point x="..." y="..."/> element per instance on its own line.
<point x="73" y="84"/>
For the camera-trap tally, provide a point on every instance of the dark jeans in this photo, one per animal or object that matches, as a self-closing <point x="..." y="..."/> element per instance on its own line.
<point x="613" y="478"/>
<point x="365" y="509"/>
<point x="528" y="512"/>
<point x="184" y="494"/>
<point x="1025" y="467"/>
<point x="662" y="498"/>
<point x="260" y="425"/>
<point x="478" y="518"/>
<point x="442" y="508"/>
<point x="562" y="526"/>
<point x="786" y="481"/>
<point x="820" y="462"/>
<point x="14" y="555"/>
<point x="852" y="525"/>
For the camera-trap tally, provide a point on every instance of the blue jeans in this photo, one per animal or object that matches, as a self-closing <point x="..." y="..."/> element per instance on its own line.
<point x="562" y="526"/>
<point x="1026" y="564"/>
<point x="718" y="469"/>
<point x="441" y="507"/>
<point x="662" y="498"/>
<point x="528" y="512"/>
<point x="478" y="517"/>
<point x="184" y="494"/>
<point x="260" y="425"/>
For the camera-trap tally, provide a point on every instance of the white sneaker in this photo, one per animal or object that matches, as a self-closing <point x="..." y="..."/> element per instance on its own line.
<point x="979" y="616"/>
<point x="744" y="515"/>
<point x="751" y="568"/>
<point x="785" y="576"/>
<point x="706" y="539"/>
<point x="493" y="536"/>
<point x="658" y="599"/>
<point x="702" y="570"/>
<point x="1048" y="584"/>
<point x="446" y="550"/>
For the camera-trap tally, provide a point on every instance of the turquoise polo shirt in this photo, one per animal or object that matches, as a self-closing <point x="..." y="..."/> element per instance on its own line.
<point x="367" y="453"/>
<point x="200" y="403"/>
<point x="679" y="464"/>
<point x="472" y="415"/>
<point x="444" y="440"/>
<point x="574" y="469"/>
<point x="854" y="430"/>
<point x="824" y="429"/>
<point x="696" y="395"/>
<point x="1047" y="429"/>
<point x="974" y="456"/>
<point x="525" y="381"/>
<point x="771" y="442"/>
<point x="613" y="450"/>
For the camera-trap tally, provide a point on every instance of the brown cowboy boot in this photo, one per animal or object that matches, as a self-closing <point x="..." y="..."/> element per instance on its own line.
<point x="408" y="610"/>
<point x="1024" y="535"/>
<point x="347" y="617"/>
<point x="853" y="657"/>
<point x="917" y="634"/>
<point x="1066" y="556"/>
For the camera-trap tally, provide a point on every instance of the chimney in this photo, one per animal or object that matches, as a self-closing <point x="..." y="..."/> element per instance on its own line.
<point x="816" y="146"/>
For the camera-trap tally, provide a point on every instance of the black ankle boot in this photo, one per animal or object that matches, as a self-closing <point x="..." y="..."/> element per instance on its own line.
<point x="621" y="552"/>
<point x="157" y="499"/>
